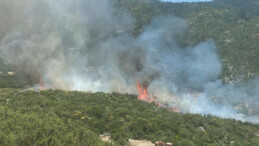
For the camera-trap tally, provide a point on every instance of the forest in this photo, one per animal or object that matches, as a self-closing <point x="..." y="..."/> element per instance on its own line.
<point x="55" y="117"/>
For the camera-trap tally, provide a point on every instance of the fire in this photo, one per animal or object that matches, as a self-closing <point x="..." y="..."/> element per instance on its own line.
<point x="41" y="84"/>
<point x="154" y="100"/>
<point x="142" y="92"/>
<point x="174" y="109"/>
<point x="143" y="96"/>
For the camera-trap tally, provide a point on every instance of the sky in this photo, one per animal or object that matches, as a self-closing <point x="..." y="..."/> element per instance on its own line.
<point x="177" y="1"/>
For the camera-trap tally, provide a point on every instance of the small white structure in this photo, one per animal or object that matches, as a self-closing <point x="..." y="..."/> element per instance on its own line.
<point x="11" y="73"/>
<point x="201" y="129"/>
<point x="140" y="142"/>
<point x="106" y="137"/>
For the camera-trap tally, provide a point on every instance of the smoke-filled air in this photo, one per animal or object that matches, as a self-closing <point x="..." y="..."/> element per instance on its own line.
<point x="87" y="45"/>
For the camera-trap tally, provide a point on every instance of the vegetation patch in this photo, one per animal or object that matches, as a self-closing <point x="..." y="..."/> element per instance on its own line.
<point x="78" y="118"/>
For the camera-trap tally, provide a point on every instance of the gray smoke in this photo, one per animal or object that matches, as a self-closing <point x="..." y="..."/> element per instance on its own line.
<point x="87" y="45"/>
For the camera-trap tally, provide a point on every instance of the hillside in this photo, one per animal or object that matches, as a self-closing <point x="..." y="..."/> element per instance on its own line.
<point x="77" y="118"/>
<point x="233" y="25"/>
<point x="7" y="79"/>
<point x="190" y="57"/>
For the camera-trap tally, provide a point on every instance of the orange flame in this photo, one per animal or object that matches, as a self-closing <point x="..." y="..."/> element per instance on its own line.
<point x="41" y="84"/>
<point x="142" y="92"/>
<point x="143" y="95"/>
<point x="174" y="109"/>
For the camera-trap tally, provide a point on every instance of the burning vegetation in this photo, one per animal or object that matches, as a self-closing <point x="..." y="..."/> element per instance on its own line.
<point x="144" y="96"/>
<point x="41" y="84"/>
<point x="142" y="92"/>
<point x="157" y="56"/>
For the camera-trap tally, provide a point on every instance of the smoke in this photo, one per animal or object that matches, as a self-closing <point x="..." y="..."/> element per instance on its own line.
<point x="87" y="45"/>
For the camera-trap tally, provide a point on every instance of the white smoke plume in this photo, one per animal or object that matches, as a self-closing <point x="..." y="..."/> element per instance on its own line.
<point x="87" y="45"/>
